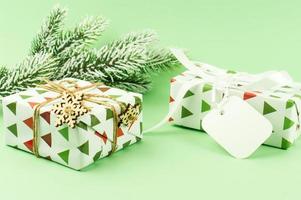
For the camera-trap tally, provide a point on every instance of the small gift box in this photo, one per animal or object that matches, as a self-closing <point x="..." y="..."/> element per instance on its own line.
<point x="272" y="94"/>
<point x="72" y="122"/>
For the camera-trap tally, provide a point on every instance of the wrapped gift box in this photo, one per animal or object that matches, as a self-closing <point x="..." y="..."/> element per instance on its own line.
<point x="281" y="105"/>
<point x="94" y="136"/>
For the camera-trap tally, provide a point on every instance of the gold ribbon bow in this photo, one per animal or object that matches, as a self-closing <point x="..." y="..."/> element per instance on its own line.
<point x="72" y="107"/>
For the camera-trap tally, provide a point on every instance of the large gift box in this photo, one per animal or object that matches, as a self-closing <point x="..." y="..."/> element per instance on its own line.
<point x="280" y="104"/>
<point x="74" y="128"/>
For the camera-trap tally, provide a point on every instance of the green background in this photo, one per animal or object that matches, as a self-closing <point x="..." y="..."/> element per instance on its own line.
<point x="173" y="162"/>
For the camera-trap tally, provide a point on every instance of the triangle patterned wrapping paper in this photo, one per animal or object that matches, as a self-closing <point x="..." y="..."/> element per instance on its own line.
<point x="76" y="148"/>
<point x="280" y="105"/>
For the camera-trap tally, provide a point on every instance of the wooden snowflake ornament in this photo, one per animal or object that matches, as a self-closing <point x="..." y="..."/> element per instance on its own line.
<point x="130" y="115"/>
<point x="69" y="109"/>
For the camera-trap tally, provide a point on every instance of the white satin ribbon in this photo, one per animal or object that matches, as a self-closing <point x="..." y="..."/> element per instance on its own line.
<point x="220" y="79"/>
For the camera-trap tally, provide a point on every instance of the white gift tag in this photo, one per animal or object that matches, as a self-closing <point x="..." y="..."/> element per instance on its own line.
<point x="239" y="128"/>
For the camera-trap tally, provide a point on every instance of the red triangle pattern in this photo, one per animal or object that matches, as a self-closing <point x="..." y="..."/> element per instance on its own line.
<point x="170" y="119"/>
<point x="47" y="138"/>
<point x="102" y="136"/>
<point x="171" y="100"/>
<point x="29" y="122"/>
<point x="29" y="145"/>
<point x="119" y="132"/>
<point x="172" y="80"/>
<point x="104" y="89"/>
<point x="33" y="104"/>
<point x="48" y="98"/>
<point x="249" y="95"/>
<point x="46" y="116"/>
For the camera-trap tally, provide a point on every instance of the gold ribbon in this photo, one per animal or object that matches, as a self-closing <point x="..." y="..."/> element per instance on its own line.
<point x="59" y="88"/>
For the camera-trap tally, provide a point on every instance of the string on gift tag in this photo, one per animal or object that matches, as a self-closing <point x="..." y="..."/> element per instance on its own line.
<point x="225" y="86"/>
<point x="202" y="70"/>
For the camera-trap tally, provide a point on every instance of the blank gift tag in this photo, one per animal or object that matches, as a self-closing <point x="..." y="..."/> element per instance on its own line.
<point x="239" y="128"/>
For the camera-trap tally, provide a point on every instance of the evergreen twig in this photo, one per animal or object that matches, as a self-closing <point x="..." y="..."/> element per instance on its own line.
<point x="3" y="71"/>
<point x="46" y="38"/>
<point x="127" y="63"/>
<point x="30" y="72"/>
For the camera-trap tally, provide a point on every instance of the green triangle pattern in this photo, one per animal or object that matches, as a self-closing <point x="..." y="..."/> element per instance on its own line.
<point x="207" y="87"/>
<point x="65" y="156"/>
<point x="288" y="123"/>
<point x="13" y="129"/>
<point x="65" y="133"/>
<point x="41" y="91"/>
<point x="290" y="103"/>
<point x="141" y="127"/>
<point x="97" y="156"/>
<point x="25" y="96"/>
<point x="94" y="120"/>
<point x="137" y="100"/>
<point x="126" y="144"/>
<point x="280" y="91"/>
<point x="285" y="144"/>
<point x="12" y="107"/>
<point x="188" y="94"/>
<point x="267" y="109"/>
<point x="138" y="139"/>
<point x="82" y="125"/>
<point x="84" y="148"/>
<point x="115" y="96"/>
<point x="231" y="72"/>
<point x="109" y="114"/>
<point x="274" y="96"/>
<point x="185" y="112"/>
<point x="205" y="106"/>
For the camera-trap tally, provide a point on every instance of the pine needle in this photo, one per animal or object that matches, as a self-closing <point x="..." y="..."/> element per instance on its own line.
<point x="81" y="36"/>
<point x="56" y="53"/>
<point x="3" y="71"/>
<point x="30" y="72"/>
<point x="47" y="35"/>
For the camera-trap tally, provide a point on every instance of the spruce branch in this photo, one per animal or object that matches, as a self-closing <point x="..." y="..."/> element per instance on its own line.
<point x="30" y="72"/>
<point x="52" y="39"/>
<point x="135" y="53"/>
<point x="160" y="60"/>
<point x="69" y="43"/>
<point x="120" y="62"/>
<point x="3" y="71"/>
<point x="127" y="63"/>
<point x="128" y="52"/>
<point x="46" y="38"/>
<point x="81" y="36"/>
<point x="132" y="82"/>
<point x="119" y="57"/>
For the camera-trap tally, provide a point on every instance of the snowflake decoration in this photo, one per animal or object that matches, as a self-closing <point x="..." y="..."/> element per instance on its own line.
<point x="130" y="115"/>
<point x="69" y="109"/>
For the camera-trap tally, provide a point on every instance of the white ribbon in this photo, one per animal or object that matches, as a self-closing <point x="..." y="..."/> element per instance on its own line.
<point x="220" y="79"/>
